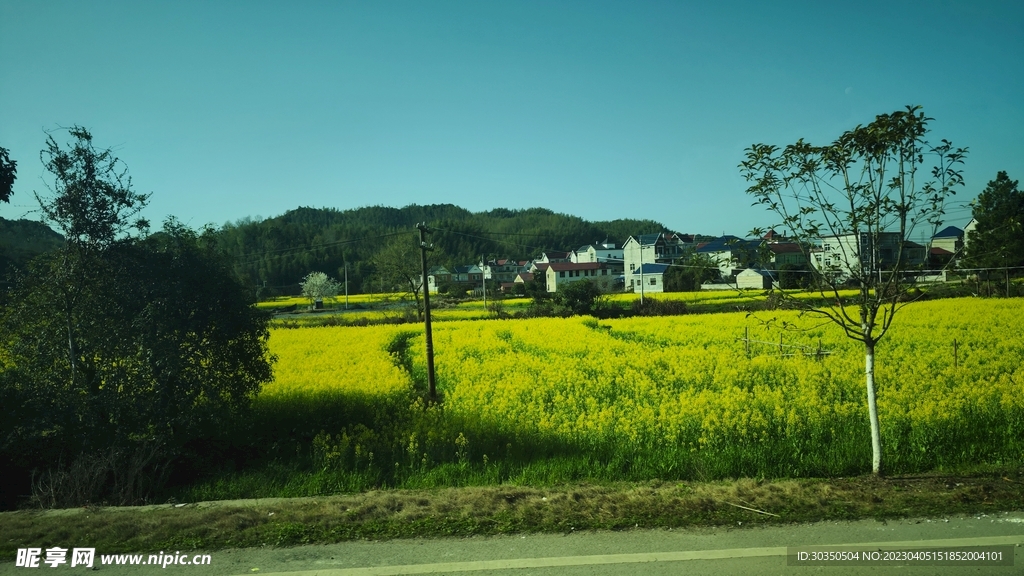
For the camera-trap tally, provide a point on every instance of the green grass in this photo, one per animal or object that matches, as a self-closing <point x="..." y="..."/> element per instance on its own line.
<point x="509" y="508"/>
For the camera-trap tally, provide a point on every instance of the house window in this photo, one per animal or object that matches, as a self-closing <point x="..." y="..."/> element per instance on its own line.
<point x="631" y="266"/>
<point x="604" y="272"/>
<point x="654" y="280"/>
<point x="561" y="274"/>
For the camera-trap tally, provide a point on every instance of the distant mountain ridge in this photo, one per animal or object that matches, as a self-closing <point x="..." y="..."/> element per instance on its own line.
<point x="21" y="240"/>
<point x="283" y="249"/>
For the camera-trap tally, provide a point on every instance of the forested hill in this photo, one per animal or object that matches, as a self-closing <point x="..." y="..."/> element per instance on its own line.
<point x="22" y="240"/>
<point x="281" y="250"/>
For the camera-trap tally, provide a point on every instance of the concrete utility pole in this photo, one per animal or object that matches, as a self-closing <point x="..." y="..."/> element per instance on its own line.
<point x="424" y="247"/>
<point x="483" y="278"/>
<point x="642" y="274"/>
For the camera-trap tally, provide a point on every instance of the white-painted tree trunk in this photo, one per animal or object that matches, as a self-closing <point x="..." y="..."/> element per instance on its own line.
<point x="876" y="433"/>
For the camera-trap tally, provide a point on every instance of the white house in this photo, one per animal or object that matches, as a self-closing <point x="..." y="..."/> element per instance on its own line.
<point x="647" y="278"/>
<point x="561" y="273"/>
<point x="604" y="252"/>
<point x="754" y="278"/>
<point x="650" y="249"/>
<point x="852" y="255"/>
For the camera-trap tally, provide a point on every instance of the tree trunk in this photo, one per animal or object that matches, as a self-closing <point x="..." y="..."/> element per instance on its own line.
<point x="876" y="434"/>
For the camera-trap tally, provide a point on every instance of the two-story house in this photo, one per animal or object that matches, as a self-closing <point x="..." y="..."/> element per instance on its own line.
<point x="856" y="255"/>
<point x="602" y="274"/>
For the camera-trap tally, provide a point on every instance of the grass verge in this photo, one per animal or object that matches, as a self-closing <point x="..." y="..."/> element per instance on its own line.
<point x="385" y="514"/>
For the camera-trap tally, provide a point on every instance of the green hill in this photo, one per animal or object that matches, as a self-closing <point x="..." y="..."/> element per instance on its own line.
<point x="22" y="240"/>
<point x="283" y="249"/>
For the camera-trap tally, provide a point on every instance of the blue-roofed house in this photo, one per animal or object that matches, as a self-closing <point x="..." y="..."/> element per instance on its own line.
<point x="467" y="274"/>
<point x="658" y="248"/>
<point x="647" y="278"/>
<point x="945" y="245"/>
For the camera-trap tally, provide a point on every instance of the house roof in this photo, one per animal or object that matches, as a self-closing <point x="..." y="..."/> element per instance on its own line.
<point x="525" y="276"/>
<point x="556" y="254"/>
<point x="936" y="251"/>
<point x="949" y="232"/>
<point x="649" y="268"/>
<point x="644" y="239"/>
<point x="784" y="247"/>
<point x="438" y="270"/>
<point x="909" y="244"/>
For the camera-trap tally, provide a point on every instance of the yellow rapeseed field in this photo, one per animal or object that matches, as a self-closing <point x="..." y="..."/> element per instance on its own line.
<point x="679" y="395"/>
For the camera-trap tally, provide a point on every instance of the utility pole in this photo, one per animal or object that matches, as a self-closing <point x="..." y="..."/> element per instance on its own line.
<point x="483" y="278"/>
<point x="1006" y="270"/>
<point x="424" y="247"/>
<point x="641" y="274"/>
<point x="346" y="285"/>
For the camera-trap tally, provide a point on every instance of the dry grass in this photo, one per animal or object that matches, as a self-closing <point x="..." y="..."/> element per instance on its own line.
<point x="506" y="509"/>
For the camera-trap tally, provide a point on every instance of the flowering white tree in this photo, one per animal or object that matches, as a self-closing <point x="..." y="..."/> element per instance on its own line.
<point x="317" y="286"/>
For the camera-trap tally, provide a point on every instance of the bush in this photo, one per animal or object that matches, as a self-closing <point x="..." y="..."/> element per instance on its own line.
<point x="654" y="307"/>
<point x="578" y="298"/>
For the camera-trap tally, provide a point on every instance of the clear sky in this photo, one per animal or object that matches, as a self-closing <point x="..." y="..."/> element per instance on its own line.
<point x="599" y="109"/>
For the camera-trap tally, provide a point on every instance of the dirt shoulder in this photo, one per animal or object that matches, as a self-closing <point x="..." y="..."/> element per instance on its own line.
<point x="495" y="510"/>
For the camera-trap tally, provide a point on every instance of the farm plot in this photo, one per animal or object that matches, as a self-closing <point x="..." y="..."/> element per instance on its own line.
<point x="549" y="400"/>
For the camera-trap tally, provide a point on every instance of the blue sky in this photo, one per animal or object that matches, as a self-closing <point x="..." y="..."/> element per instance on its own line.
<point x="600" y="109"/>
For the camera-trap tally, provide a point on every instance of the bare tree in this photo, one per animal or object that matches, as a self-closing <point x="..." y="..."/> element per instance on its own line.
<point x="398" y="264"/>
<point x="851" y="205"/>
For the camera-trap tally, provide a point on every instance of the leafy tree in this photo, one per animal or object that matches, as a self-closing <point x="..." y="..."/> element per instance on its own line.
<point x="579" y="298"/>
<point x="863" y="185"/>
<point x="998" y="238"/>
<point x="537" y="288"/>
<point x="793" y="276"/>
<point x="8" y="172"/>
<point x="317" y="286"/>
<point x="92" y="201"/>
<point x="120" y="350"/>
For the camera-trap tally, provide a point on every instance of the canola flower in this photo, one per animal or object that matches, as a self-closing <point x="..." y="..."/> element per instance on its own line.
<point x="681" y="392"/>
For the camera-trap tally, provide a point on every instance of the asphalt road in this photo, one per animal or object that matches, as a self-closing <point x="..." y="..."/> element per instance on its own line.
<point x="733" y="550"/>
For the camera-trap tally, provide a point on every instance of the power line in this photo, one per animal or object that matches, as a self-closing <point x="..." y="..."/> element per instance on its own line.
<point x="270" y="254"/>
